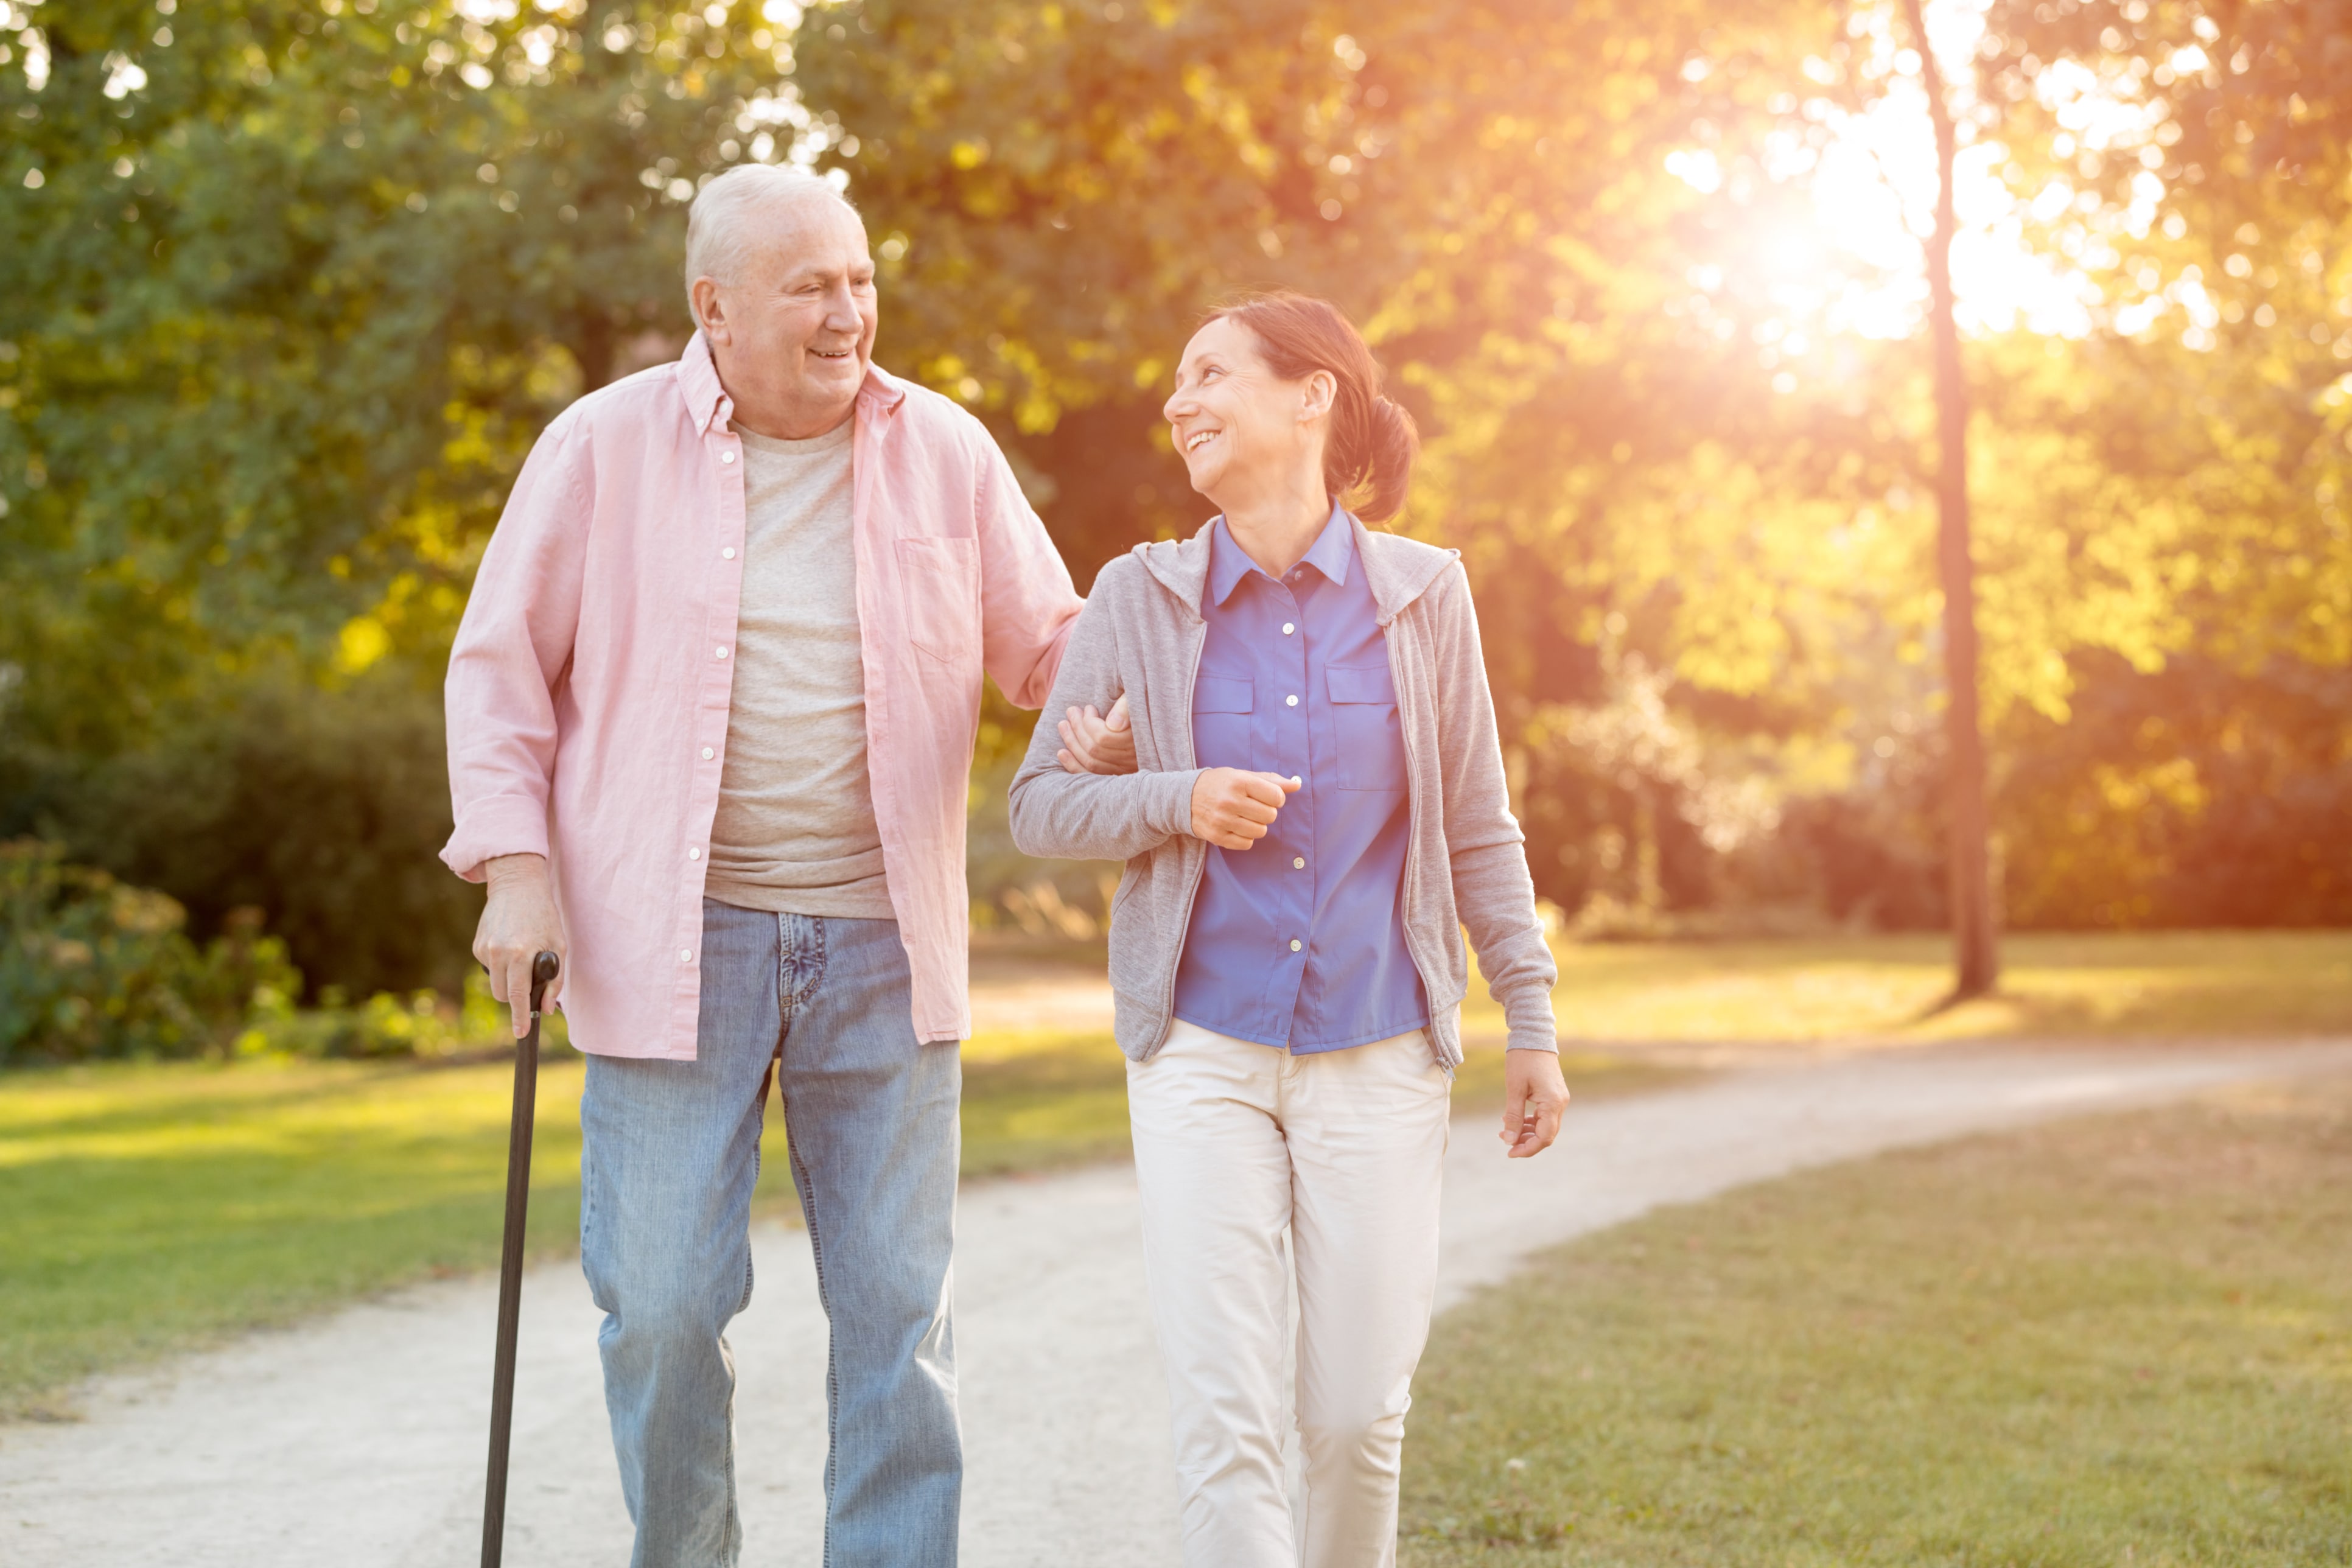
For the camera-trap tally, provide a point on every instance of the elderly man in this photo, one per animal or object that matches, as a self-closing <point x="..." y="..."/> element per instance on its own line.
<point x="711" y="713"/>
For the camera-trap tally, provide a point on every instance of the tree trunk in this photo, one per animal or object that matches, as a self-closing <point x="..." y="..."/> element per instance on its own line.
<point x="1976" y="962"/>
<point x="591" y="346"/>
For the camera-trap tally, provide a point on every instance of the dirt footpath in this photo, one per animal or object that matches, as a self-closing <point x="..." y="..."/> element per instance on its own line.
<point x="358" y="1439"/>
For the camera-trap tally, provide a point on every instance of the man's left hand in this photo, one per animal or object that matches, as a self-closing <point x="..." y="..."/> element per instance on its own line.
<point x="1096" y="742"/>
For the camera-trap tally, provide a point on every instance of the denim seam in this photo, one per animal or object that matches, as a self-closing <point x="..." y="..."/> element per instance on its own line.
<point x="730" y="1546"/>
<point x="587" y="1196"/>
<point x="832" y="1354"/>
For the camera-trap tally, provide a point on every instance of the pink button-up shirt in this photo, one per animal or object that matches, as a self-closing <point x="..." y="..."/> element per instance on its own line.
<point x="589" y="681"/>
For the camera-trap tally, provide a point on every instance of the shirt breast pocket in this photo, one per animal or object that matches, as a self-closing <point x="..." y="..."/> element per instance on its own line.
<point x="1366" y="732"/>
<point x="1222" y="706"/>
<point x="938" y="584"/>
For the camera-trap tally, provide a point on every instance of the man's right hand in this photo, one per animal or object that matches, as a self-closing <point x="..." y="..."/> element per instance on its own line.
<point x="1233" y="809"/>
<point x="519" y="923"/>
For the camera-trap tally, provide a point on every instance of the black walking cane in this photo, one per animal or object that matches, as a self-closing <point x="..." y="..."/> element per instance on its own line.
<point x="526" y="1100"/>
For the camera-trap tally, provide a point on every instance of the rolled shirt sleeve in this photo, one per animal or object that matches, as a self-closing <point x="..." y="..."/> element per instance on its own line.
<point x="512" y="652"/>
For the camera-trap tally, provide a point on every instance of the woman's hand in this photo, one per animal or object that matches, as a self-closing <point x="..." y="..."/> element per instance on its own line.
<point x="1534" y="1098"/>
<point x="1233" y="809"/>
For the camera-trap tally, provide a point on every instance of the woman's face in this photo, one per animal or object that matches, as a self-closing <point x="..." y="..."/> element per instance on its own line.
<point x="1240" y="427"/>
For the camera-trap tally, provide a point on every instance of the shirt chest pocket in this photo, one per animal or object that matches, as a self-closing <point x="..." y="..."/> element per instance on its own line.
<point x="939" y="589"/>
<point x="1369" y="739"/>
<point x="1222" y="706"/>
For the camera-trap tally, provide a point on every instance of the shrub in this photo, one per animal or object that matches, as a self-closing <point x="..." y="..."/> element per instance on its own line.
<point x="92" y="967"/>
<point x="419" y="1026"/>
<point x="326" y="809"/>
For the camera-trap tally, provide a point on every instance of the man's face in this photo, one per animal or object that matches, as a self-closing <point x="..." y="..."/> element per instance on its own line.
<point x="792" y="337"/>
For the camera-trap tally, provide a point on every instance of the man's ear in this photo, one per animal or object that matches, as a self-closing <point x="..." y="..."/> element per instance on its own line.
<point x="709" y="313"/>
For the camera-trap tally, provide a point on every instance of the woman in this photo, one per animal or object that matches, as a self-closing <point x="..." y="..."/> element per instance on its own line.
<point x="1320" y="812"/>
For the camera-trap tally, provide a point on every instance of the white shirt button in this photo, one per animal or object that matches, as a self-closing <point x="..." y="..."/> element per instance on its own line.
<point x="726" y="457"/>
<point x="686" y="955"/>
<point x="721" y="653"/>
<point x="1288" y="628"/>
<point x="1298" y="863"/>
<point x="708" y="753"/>
<point x="1290" y="701"/>
<point x="693" y="854"/>
<point x="728" y="554"/>
<point x="1294" y="944"/>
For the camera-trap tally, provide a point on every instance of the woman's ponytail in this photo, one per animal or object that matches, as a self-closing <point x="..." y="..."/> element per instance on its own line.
<point x="1394" y="442"/>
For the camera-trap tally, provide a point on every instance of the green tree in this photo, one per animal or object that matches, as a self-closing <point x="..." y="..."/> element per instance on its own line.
<point x="286" y="289"/>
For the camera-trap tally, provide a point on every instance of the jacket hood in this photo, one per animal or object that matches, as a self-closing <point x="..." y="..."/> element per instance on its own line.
<point x="1398" y="570"/>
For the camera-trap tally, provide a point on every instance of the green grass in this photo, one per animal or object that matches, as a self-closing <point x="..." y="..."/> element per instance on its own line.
<point x="1885" y="989"/>
<point x="2126" y="1341"/>
<point x="147" y="1209"/>
<point x="1043" y="1098"/>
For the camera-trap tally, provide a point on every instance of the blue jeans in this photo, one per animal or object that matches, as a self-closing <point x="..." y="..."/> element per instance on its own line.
<point x="671" y="1150"/>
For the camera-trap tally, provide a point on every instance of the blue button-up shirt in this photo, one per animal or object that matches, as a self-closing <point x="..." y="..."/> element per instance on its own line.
<point x="1298" y="942"/>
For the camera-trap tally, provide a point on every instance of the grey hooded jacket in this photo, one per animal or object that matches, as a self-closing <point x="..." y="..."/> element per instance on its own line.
<point x="1464" y="865"/>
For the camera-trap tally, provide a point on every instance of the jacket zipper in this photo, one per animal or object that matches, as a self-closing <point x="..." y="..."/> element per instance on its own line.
<point x="1199" y="869"/>
<point x="1413" y="840"/>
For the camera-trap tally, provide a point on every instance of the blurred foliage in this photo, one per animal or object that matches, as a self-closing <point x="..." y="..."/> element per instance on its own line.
<point x="2196" y="793"/>
<point x="91" y="967"/>
<point x="326" y="806"/>
<point x="420" y="1025"/>
<point x="286" y="290"/>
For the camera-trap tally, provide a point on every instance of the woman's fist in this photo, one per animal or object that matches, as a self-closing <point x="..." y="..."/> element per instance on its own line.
<point x="1233" y="809"/>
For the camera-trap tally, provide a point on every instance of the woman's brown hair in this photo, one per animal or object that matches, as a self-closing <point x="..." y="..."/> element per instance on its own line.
<point x="1372" y="440"/>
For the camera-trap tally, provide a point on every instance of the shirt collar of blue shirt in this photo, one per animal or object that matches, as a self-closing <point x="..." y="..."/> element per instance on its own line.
<point x="1333" y="548"/>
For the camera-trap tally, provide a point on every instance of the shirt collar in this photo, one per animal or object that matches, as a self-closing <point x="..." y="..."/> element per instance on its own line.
<point x="706" y="403"/>
<point x="697" y="382"/>
<point x="1332" y="550"/>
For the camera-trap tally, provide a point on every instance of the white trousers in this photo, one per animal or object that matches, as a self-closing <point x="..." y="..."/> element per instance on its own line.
<point x="1233" y="1142"/>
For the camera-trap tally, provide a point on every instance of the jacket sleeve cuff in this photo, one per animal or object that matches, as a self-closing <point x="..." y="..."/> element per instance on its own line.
<point x="1532" y="1026"/>
<point x="501" y="824"/>
<point x="1168" y="807"/>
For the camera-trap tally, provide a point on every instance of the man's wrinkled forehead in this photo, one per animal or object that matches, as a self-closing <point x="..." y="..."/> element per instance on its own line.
<point x="812" y="241"/>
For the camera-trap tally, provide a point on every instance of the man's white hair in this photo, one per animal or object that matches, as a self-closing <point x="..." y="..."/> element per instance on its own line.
<point x="717" y="237"/>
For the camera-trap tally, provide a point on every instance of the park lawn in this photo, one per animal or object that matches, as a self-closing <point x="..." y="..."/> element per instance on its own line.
<point x="1885" y="990"/>
<point x="144" y="1208"/>
<point x="2119" y="1340"/>
<point x="154" y="1207"/>
<point x="147" y="1209"/>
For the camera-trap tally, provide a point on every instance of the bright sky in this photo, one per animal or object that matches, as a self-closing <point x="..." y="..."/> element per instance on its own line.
<point x="1857" y="265"/>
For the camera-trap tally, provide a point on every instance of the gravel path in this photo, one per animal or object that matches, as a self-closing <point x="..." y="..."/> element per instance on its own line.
<point x="357" y="1440"/>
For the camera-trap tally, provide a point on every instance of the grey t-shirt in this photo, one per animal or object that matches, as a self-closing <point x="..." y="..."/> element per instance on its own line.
<point x="794" y="831"/>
